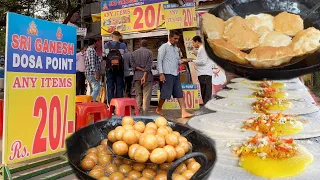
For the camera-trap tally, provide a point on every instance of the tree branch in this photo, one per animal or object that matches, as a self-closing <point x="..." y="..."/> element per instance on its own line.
<point x="76" y="9"/>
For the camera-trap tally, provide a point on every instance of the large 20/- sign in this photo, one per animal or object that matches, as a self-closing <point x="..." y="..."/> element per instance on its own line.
<point x="190" y="94"/>
<point x="179" y="17"/>
<point x="131" y="17"/>
<point x="39" y="88"/>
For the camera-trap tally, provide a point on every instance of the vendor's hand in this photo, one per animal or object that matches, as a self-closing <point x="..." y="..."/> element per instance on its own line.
<point x="162" y="78"/>
<point x="143" y="80"/>
<point x="97" y="75"/>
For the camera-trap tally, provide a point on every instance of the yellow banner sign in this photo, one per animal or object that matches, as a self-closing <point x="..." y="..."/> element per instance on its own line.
<point x="190" y="94"/>
<point x="133" y="19"/>
<point x="40" y="82"/>
<point x="179" y="17"/>
<point x="187" y="37"/>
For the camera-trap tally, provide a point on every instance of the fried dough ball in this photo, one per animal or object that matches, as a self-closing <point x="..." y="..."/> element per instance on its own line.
<point x="148" y="173"/>
<point x="182" y="139"/>
<point x="150" y="142"/>
<point x="104" y="142"/>
<point x="138" y="166"/>
<point x="179" y="177"/>
<point x="171" y="153"/>
<point x="181" y="168"/>
<point x="92" y="156"/>
<point x="99" y="167"/>
<point x="188" y="174"/>
<point x="111" y="168"/>
<point x="132" y="150"/>
<point x="118" y="132"/>
<point x="165" y="166"/>
<point x="104" y="160"/>
<point x="194" y="166"/>
<point x="96" y="173"/>
<point x="127" y="120"/>
<point x="141" y="154"/>
<point x="152" y="166"/>
<point x="152" y="125"/>
<point x="172" y="139"/>
<point x="158" y="156"/>
<point x="92" y="150"/>
<point x="176" y="133"/>
<point x="134" y="174"/>
<point x="139" y="126"/>
<point x="117" y="161"/>
<point x="125" y="169"/>
<point x="190" y="160"/>
<point x="161" y="141"/>
<point x="104" y="178"/>
<point x="127" y="161"/>
<point x="138" y="134"/>
<point x="150" y="130"/>
<point x="163" y="131"/>
<point x="185" y="146"/>
<point x="144" y="178"/>
<point x="120" y="148"/>
<point x="130" y="137"/>
<point x="141" y="139"/>
<point x="87" y="164"/>
<point x="112" y="136"/>
<point x="180" y="152"/>
<point x="101" y="148"/>
<point x="117" y="176"/>
<point x="161" y="121"/>
<point x="128" y="127"/>
<point x="161" y="177"/>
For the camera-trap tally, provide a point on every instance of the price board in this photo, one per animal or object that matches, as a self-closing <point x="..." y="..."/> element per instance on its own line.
<point x="179" y="17"/>
<point x="39" y="112"/>
<point x="187" y="38"/>
<point x="190" y="94"/>
<point x="131" y="17"/>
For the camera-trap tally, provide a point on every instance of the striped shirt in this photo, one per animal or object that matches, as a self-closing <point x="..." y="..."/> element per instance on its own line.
<point x="91" y="61"/>
<point x="168" y="59"/>
<point x="142" y="57"/>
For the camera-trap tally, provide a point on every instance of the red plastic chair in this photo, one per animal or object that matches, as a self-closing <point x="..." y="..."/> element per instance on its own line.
<point x="1" y="118"/>
<point x="83" y="110"/>
<point x="123" y="106"/>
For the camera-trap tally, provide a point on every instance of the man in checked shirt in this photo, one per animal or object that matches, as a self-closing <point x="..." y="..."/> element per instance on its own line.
<point x="92" y="70"/>
<point x="141" y="62"/>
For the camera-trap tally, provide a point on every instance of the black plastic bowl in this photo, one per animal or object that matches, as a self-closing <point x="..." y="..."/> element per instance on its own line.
<point x="203" y="149"/>
<point x="304" y="8"/>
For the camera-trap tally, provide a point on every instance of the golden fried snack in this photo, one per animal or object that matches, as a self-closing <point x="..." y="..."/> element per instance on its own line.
<point x="240" y="35"/>
<point x="227" y="51"/>
<point x="262" y="31"/>
<point x="287" y="23"/>
<point x="212" y="26"/>
<point x="306" y="42"/>
<point x="266" y="57"/>
<point x="260" y="20"/>
<point x="275" y="39"/>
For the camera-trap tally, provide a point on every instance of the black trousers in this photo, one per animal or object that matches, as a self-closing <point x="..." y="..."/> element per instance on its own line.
<point x="206" y="87"/>
<point x="128" y="85"/>
<point x="81" y="83"/>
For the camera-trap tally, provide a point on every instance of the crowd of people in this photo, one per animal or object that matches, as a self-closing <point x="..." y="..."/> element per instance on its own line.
<point x="122" y="68"/>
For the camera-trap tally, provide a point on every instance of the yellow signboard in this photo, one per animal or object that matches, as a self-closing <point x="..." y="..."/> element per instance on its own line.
<point x="179" y="17"/>
<point x="187" y="37"/>
<point x="133" y="19"/>
<point x="190" y="94"/>
<point x="40" y="84"/>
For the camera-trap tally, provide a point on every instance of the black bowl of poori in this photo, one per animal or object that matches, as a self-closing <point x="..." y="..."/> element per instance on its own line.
<point x="276" y="54"/>
<point x="203" y="148"/>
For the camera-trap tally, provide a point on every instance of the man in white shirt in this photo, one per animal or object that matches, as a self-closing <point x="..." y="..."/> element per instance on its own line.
<point x="81" y="78"/>
<point x="203" y="65"/>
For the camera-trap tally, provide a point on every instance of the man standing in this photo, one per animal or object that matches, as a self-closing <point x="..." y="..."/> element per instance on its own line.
<point x="80" y="77"/>
<point x="92" y="72"/>
<point x="128" y="73"/>
<point x="114" y="51"/>
<point x="141" y="63"/>
<point x="203" y="67"/>
<point x="168" y="62"/>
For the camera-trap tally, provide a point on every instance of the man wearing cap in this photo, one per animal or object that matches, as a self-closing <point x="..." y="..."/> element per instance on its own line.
<point x="115" y="80"/>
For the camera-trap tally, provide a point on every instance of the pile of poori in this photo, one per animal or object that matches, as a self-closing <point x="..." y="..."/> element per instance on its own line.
<point x="155" y="141"/>
<point x="99" y="163"/>
<point x="271" y="40"/>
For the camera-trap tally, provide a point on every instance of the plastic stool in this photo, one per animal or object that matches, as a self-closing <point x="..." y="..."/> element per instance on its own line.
<point x="1" y="118"/>
<point x="123" y="106"/>
<point x="83" y="99"/>
<point x="83" y="110"/>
